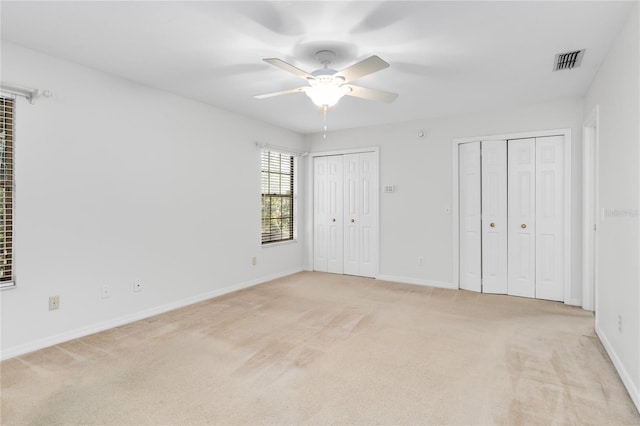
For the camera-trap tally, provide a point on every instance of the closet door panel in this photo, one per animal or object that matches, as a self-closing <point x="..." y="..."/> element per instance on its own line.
<point x="521" y="217"/>
<point x="335" y="256"/>
<point x="494" y="217"/>
<point x="367" y="216"/>
<point x="320" y="214"/>
<point x="352" y="189"/>
<point x="550" y="218"/>
<point x="469" y="211"/>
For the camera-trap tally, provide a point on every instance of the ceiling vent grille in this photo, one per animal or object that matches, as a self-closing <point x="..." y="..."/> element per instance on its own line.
<point x="568" y="60"/>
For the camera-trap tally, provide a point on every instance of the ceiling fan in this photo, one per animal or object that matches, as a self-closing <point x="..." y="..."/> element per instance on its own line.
<point x="327" y="86"/>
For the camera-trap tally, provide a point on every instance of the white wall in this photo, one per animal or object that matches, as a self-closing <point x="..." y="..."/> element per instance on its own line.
<point x="616" y="90"/>
<point x="117" y="181"/>
<point x="413" y="221"/>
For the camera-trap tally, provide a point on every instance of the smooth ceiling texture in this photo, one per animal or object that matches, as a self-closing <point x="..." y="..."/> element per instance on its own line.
<point x="446" y="58"/>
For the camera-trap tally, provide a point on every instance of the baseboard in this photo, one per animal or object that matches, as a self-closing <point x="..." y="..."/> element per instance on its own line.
<point x="417" y="281"/>
<point x="116" y="322"/>
<point x="574" y="302"/>
<point x="634" y="393"/>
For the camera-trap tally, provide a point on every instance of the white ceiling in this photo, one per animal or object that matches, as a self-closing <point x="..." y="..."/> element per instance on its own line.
<point x="446" y="58"/>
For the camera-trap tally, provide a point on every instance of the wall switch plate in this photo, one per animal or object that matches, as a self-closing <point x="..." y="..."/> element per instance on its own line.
<point x="420" y="261"/>
<point x="254" y="261"/>
<point x="389" y="189"/>
<point x="137" y="285"/>
<point x="54" y="302"/>
<point x="105" y="291"/>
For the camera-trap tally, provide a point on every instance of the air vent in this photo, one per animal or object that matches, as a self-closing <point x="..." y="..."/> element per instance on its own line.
<point x="569" y="60"/>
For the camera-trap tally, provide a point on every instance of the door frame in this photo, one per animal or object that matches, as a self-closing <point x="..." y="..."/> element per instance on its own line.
<point x="567" y="199"/>
<point x="590" y="206"/>
<point x="310" y="209"/>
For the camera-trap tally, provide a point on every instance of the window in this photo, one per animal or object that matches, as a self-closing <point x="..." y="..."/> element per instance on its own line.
<point x="6" y="191"/>
<point x="277" y="196"/>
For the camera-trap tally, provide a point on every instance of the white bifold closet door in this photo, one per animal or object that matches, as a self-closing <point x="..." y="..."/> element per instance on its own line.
<point x="494" y="217"/>
<point x="511" y="217"/>
<point x="483" y="216"/>
<point x="522" y="218"/>
<point x="361" y="200"/>
<point x="550" y="262"/>
<point x="536" y="217"/>
<point x="328" y="214"/>
<point x="470" y="213"/>
<point x="345" y="214"/>
<point x="321" y="218"/>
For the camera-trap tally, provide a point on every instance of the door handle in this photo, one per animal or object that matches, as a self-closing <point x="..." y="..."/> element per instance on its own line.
<point x="523" y="226"/>
<point x="353" y="220"/>
<point x="493" y="225"/>
<point x="333" y="220"/>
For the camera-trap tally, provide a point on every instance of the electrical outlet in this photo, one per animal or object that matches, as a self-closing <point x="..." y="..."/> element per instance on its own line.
<point x="420" y="261"/>
<point x="54" y="302"/>
<point x="254" y="261"/>
<point x="137" y="285"/>
<point x="620" y="323"/>
<point x="105" y="291"/>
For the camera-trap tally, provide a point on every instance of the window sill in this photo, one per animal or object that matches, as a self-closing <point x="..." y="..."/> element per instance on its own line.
<point x="280" y="243"/>
<point x="8" y="286"/>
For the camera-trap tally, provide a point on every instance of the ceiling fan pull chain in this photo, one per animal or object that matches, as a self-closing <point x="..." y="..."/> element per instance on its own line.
<point x="324" y="109"/>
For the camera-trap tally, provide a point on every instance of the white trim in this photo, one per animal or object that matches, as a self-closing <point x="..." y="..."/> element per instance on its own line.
<point x="590" y="135"/>
<point x="567" y="217"/>
<point x="566" y="133"/>
<point x="8" y="285"/>
<point x="344" y="151"/>
<point x="417" y="281"/>
<point x="279" y="243"/>
<point x="509" y="136"/>
<point x="126" y="319"/>
<point x="280" y="149"/>
<point x="634" y="392"/>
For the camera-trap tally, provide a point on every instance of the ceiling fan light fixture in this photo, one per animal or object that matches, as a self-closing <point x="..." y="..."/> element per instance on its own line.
<point x="326" y="96"/>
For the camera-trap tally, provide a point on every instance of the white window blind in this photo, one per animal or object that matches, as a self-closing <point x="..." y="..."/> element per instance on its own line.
<point x="277" y="171"/>
<point x="6" y="191"/>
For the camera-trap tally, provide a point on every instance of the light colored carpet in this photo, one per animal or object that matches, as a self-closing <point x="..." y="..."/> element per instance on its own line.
<point x="317" y="348"/>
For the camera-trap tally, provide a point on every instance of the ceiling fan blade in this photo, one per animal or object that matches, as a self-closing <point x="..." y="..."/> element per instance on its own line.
<point x="362" y="68"/>
<point x="289" y="68"/>
<point x="283" y="92"/>
<point x="372" y="94"/>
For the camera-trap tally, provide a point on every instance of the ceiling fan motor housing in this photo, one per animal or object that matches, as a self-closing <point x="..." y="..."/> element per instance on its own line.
<point x="324" y="77"/>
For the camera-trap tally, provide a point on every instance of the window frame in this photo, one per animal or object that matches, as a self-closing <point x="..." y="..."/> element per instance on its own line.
<point x="291" y="235"/>
<point x="11" y="282"/>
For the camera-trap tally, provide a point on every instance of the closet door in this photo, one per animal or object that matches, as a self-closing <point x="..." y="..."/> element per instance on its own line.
<point x="328" y="214"/>
<point x="368" y="214"/>
<point x="550" y="218"/>
<point x="335" y="214"/>
<point x="494" y="217"/>
<point x="470" y="222"/>
<point x="521" y="216"/>
<point x="320" y="214"/>
<point x="360" y="214"/>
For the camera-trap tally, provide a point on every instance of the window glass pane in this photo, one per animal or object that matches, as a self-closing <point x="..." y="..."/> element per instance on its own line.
<point x="285" y="181"/>
<point x="286" y="207"/>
